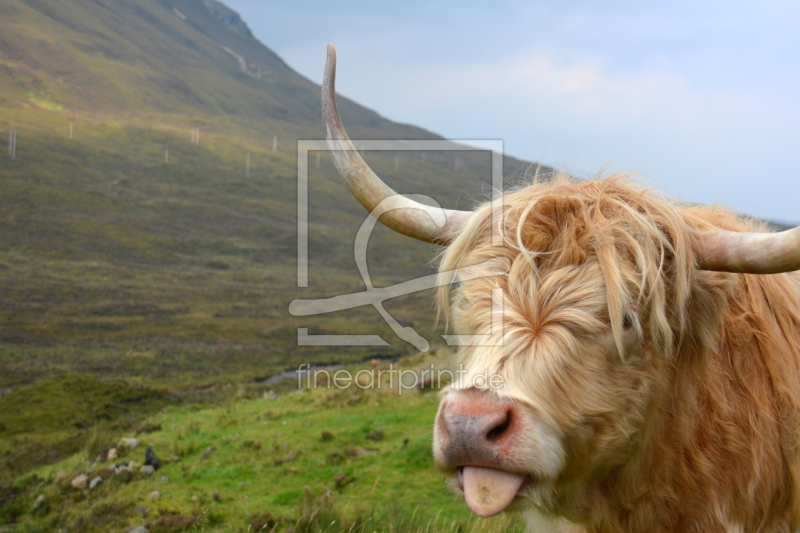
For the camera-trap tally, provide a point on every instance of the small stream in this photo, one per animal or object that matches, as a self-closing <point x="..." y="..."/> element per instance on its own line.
<point x="298" y="374"/>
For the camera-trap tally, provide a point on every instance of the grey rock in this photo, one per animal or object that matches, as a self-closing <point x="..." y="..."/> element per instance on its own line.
<point x="155" y="495"/>
<point x="128" y="442"/>
<point x="80" y="482"/>
<point x="39" y="501"/>
<point x="359" y="451"/>
<point x="147" y="470"/>
<point x="95" y="482"/>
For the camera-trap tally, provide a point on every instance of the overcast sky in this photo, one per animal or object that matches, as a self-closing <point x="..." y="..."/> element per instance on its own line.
<point x="702" y="97"/>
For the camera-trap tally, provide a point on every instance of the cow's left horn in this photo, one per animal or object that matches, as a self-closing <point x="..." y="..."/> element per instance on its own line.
<point x="749" y="253"/>
<point x="399" y="213"/>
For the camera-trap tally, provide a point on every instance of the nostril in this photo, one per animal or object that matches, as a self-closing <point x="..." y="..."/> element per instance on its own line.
<point x="499" y="430"/>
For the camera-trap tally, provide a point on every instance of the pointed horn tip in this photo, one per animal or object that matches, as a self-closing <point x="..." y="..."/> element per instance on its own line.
<point x="330" y="68"/>
<point x="367" y="181"/>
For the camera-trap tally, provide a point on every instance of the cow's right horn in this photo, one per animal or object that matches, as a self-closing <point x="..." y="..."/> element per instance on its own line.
<point x="399" y="213"/>
<point x="749" y="253"/>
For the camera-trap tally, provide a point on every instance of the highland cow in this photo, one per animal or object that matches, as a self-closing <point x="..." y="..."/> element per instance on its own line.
<point x="649" y="356"/>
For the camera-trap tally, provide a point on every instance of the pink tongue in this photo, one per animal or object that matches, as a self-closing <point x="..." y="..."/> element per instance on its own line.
<point x="489" y="491"/>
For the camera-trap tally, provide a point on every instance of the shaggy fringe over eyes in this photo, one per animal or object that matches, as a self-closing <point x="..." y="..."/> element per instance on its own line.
<point x="638" y="238"/>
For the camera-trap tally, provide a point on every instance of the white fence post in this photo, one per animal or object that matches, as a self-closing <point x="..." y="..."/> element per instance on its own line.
<point x="12" y="143"/>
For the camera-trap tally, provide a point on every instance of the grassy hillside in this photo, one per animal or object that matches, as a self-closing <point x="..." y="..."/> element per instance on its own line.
<point x="320" y="459"/>
<point x="193" y="59"/>
<point x="140" y="270"/>
<point x="112" y="261"/>
<point x="116" y="260"/>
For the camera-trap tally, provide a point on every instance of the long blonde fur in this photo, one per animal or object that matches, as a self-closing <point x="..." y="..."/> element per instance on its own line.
<point x="684" y="416"/>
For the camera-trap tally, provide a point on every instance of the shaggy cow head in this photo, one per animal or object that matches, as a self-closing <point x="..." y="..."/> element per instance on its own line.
<point x="611" y="291"/>
<point x="593" y="320"/>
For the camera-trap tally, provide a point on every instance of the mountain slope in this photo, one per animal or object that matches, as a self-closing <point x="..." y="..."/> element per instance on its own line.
<point x="128" y="248"/>
<point x="168" y="56"/>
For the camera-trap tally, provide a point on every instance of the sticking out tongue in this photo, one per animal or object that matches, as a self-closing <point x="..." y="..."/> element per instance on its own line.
<point x="489" y="491"/>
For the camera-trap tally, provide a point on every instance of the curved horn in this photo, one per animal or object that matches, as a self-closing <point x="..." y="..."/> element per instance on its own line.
<point x="402" y="214"/>
<point x="749" y="253"/>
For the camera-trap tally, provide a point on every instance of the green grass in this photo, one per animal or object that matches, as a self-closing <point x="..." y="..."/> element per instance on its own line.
<point x="358" y="457"/>
<point x="44" y="102"/>
<point x="56" y="417"/>
<point x="172" y="283"/>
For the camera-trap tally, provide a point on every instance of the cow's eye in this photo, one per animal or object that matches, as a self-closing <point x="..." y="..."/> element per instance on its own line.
<point x="627" y="321"/>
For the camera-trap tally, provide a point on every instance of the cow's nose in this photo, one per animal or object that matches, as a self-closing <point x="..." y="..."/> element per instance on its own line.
<point x="475" y="429"/>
